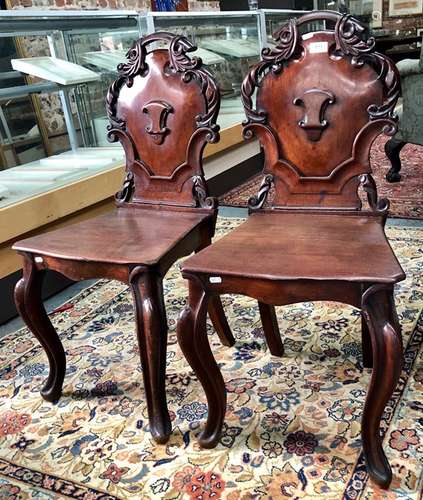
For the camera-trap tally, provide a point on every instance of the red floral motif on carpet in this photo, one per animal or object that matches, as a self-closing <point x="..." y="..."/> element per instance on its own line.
<point x="406" y="197"/>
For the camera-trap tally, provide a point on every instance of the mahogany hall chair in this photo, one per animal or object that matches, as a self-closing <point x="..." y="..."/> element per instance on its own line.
<point x="163" y="109"/>
<point x="316" y="102"/>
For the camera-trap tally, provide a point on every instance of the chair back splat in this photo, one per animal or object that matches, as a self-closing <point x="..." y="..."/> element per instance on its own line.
<point x="163" y="109"/>
<point x="321" y="99"/>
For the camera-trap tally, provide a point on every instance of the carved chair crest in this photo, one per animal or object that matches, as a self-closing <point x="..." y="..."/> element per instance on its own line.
<point x="163" y="109"/>
<point x="320" y="100"/>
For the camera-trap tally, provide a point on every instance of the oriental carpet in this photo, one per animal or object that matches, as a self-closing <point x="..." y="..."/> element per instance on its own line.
<point x="406" y="196"/>
<point x="292" y="426"/>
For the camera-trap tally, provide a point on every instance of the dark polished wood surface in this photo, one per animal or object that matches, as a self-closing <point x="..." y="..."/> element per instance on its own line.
<point x="136" y="236"/>
<point x="310" y="246"/>
<point x="316" y="103"/>
<point x="163" y="109"/>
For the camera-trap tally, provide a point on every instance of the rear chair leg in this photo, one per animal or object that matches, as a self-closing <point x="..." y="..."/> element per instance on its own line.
<point x="193" y="341"/>
<point x="215" y="308"/>
<point x="30" y="306"/>
<point x="220" y="323"/>
<point x="271" y="329"/>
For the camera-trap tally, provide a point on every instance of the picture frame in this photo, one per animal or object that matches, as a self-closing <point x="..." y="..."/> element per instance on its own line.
<point x="402" y="8"/>
<point x="169" y="5"/>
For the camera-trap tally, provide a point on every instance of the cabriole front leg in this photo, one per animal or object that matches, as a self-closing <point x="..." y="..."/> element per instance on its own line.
<point x="379" y="310"/>
<point x="30" y="306"/>
<point x="147" y="288"/>
<point x="192" y="338"/>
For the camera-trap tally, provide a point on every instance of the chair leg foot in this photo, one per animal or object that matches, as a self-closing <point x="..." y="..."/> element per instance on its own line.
<point x="392" y="150"/>
<point x="192" y="338"/>
<point x="151" y="323"/>
<point x="220" y="323"/>
<point x="271" y="329"/>
<point x="30" y="306"/>
<point x="379" y="310"/>
<point x="366" y="343"/>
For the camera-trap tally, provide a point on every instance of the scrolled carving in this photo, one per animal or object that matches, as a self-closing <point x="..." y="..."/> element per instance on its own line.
<point x="287" y="39"/>
<point x="286" y="45"/>
<point x="178" y="49"/>
<point x="199" y="192"/>
<point x="378" y="206"/>
<point x="111" y="101"/>
<point x="125" y="194"/>
<point x="136" y="64"/>
<point x="390" y="76"/>
<point x="257" y="202"/>
<point x="349" y="38"/>
<point x="191" y="67"/>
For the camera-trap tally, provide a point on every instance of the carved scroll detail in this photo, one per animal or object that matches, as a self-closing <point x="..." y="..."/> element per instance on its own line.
<point x="349" y="37"/>
<point x="286" y="44"/>
<point x="199" y="192"/>
<point x="349" y="40"/>
<point x="125" y="194"/>
<point x="191" y="67"/>
<point x="258" y="201"/>
<point x="287" y="39"/>
<point x="379" y="206"/>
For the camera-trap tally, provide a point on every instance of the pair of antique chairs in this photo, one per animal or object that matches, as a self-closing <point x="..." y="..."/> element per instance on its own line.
<point x="321" y="99"/>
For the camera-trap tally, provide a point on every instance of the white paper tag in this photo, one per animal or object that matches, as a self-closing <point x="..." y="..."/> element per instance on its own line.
<point x="215" y="279"/>
<point x="38" y="260"/>
<point x="318" y="47"/>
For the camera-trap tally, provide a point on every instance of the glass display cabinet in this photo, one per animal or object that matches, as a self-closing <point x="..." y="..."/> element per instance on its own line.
<point x="52" y="113"/>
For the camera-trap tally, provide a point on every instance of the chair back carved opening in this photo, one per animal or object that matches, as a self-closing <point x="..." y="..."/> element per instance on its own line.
<point x="316" y="102"/>
<point x="163" y="109"/>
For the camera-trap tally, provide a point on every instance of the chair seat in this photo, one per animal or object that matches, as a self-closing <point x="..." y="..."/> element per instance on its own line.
<point x="291" y="246"/>
<point x="122" y="236"/>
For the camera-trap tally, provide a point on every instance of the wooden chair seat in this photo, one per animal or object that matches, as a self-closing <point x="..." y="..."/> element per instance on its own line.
<point x="287" y="246"/>
<point x="110" y="237"/>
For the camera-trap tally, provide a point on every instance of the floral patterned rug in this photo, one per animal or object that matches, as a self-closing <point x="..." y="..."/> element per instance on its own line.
<point x="292" y="425"/>
<point x="406" y="196"/>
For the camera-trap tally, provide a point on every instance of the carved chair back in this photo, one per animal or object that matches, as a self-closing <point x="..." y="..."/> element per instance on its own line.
<point x="163" y="109"/>
<point x="320" y="101"/>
